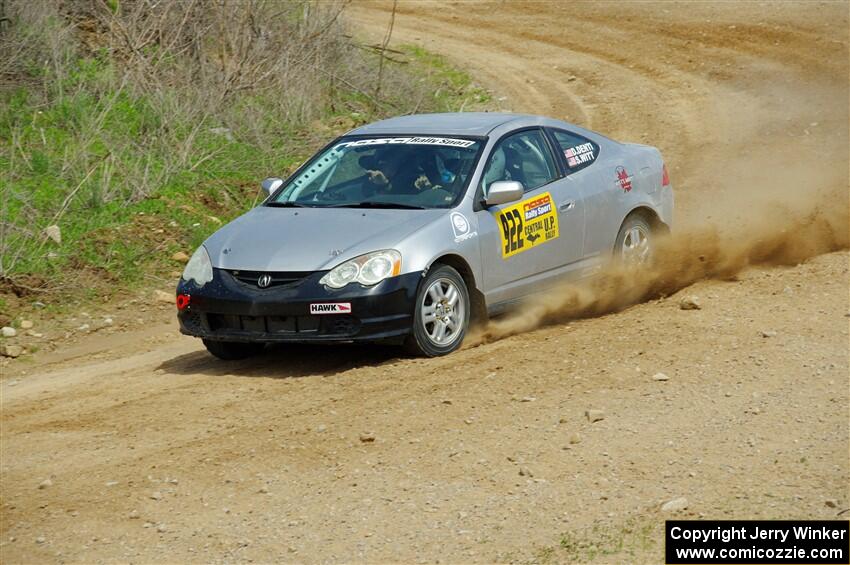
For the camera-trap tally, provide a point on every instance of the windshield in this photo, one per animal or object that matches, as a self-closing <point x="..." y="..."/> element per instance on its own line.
<point x="386" y="172"/>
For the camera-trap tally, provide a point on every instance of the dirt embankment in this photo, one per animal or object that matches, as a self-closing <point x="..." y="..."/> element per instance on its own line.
<point x="155" y="451"/>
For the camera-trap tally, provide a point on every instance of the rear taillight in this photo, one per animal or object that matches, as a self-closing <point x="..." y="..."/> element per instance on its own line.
<point x="183" y="301"/>
<point x="665" y="178"/>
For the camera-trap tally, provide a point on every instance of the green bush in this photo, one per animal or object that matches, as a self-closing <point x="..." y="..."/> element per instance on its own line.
<point x="138" y="128"/>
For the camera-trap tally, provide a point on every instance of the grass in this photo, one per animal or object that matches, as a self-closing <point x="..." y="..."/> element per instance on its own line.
<point x="455" y="90"/>
<point x="629" y="542"/>
<point x="131" y="176"/>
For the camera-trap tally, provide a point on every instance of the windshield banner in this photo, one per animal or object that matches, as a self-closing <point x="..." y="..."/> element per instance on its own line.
<point x="408" y="141"/>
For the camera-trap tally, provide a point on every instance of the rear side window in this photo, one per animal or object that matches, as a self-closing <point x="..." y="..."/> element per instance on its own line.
<point x="579" y="152"/>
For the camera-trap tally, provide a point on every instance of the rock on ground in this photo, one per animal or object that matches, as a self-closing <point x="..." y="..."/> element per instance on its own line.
<point x="54" y="233"/>
<point x="675" y="505"/>
<point x="162" y="296"/>
<point x="12" y="350"/>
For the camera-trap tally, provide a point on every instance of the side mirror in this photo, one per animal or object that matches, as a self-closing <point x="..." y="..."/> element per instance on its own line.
<point x="271" y="184"/>
<point x="504" y="191"/>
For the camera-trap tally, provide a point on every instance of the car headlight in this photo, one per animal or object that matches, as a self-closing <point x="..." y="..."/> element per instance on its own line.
<point x="367" y="269"/>
<point x="199" y="267"/>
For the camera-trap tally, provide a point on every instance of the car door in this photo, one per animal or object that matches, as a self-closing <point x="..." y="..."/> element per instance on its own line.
<point x="526" y="244"/>
<point x="589" y="183"/>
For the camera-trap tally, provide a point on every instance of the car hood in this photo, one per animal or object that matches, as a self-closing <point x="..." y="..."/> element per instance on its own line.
<point x="310" y="239"/>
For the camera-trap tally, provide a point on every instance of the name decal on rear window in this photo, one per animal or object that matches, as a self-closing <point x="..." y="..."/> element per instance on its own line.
<point x="579" y="154"/>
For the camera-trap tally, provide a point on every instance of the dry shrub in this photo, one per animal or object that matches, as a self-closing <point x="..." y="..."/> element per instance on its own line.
<point x="107" y="101"/>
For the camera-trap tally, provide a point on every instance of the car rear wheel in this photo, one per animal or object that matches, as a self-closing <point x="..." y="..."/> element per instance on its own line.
<point x="634" y="245"/>
<point x="231" y="350"/>
<point x="442" y="313"/>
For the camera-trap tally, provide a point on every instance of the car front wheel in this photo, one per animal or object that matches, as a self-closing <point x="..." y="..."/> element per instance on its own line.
<point x="231" y="350"/>
<point x="441" y="315"/>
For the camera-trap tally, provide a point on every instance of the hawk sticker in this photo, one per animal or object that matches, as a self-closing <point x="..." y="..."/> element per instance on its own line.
<point x="330" y="308"/>
<point x="527" y="224"/>
<point x="624" y="179"/>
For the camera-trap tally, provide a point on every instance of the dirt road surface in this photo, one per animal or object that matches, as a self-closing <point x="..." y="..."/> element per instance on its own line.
<point x="136" y="446"/>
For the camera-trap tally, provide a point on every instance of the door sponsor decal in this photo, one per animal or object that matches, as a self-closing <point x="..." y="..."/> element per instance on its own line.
<point x="527" y="224"/>
<point x="330" y="308"/>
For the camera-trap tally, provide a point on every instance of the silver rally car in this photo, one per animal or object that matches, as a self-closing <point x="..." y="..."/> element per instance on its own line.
<point x="407" y="229"/>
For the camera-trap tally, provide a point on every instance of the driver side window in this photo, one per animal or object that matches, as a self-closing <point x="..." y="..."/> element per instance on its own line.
<point x="522" y="157"/>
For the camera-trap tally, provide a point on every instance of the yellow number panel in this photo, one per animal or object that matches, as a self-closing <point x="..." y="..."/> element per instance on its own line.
<point x="527" y="224"/>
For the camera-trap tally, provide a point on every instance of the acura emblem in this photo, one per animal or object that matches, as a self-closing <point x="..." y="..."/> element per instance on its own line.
<point x="264" y="281"/>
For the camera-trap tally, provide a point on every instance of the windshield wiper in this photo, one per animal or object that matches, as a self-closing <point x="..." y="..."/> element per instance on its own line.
<point x="371" y="204"/>
<point x="286" y="204"/>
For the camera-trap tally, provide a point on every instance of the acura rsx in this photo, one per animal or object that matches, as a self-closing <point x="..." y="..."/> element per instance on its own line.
<point x="407" y="229"/>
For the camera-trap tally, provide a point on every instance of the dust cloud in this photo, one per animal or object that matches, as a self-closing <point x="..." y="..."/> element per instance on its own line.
<point x="770" y="211"/>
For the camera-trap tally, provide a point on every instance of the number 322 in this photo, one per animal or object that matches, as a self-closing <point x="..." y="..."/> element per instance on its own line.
<point x="512" y="230"/>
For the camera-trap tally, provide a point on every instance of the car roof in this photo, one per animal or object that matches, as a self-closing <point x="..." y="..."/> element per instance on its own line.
<point x="457" y="123"/>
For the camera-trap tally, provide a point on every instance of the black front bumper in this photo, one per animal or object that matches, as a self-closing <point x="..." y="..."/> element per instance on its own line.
<point x="228" y="309"/>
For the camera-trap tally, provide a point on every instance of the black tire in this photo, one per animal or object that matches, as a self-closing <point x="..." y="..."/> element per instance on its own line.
<point x="636" y="223"/>
<point x="420" y="341"/>
<point x="231" y="350"/>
